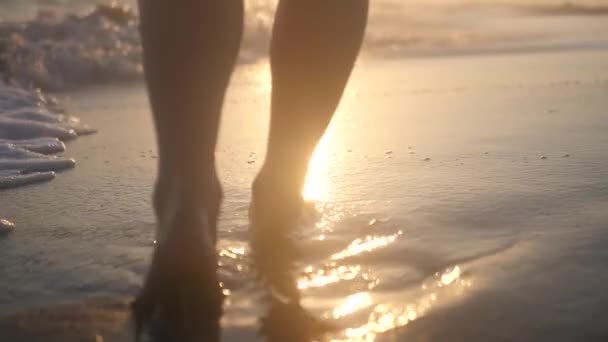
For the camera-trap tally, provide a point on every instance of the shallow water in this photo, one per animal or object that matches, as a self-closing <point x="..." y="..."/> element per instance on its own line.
<point x="458" y="199"/>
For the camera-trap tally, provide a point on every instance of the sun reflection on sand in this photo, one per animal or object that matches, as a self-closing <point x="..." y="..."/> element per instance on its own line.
<point x="353" y="303"/>
<point x="449" y="277"/>
<point x="368" y="244"/>
<point x="326" y="277"/>
<point x="370" y="312"/>
<point x="233" y="252"/>
<point x="384" y="317"/>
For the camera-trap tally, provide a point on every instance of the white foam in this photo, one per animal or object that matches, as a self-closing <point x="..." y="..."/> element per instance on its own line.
<point x="40" y="145"/>
<point x="57" y="50"/>
<point x="32" y="127"/>
<point x="13" y="178"/>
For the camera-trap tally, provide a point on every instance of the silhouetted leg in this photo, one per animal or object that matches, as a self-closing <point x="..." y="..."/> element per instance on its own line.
<point x="190" y="47"/>
<point x="314" y="46"/>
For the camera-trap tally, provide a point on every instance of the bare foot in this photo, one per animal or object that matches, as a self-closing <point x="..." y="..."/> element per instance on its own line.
<point x="273" y="216"/>
<point x="181" y="299"/>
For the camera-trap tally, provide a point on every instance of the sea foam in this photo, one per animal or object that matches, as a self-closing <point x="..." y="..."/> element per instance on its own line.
<point x="33" y="127"/>
<point x="56" y="51"/>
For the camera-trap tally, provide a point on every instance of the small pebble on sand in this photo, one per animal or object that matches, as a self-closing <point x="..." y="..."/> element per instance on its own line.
<point x="426" y="159"/>
<point x="6" y="226"/>
<point x="252" y="158"/>
<point x="566" y="155"/>
<point x="543" y="157"/>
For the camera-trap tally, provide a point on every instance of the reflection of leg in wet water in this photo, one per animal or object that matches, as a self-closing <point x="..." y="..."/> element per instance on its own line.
<point x="189" y="52"/>
<point x="190" y="48"/>
<point x="314" y="46"/>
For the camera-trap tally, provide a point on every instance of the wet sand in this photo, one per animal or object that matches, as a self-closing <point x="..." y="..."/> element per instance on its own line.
<point x="430" y="164"/>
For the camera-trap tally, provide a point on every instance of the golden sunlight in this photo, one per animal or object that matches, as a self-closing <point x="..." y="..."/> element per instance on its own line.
<point x="353" y="303"/>
<point x="368" y="244"/>
<point x="326" y="277"/>
<point x="449" y="277"/>
<point x="388" y="316"/>
<point x="318" y="183"/>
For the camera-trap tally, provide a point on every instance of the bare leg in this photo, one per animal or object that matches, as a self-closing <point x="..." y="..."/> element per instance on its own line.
<point x="314" y="47"/>
<point x="190" y="47"/>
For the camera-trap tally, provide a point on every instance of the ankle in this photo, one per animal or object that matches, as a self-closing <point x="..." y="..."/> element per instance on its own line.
<point x="186" y="206"/>
<point x="276" y="198"/>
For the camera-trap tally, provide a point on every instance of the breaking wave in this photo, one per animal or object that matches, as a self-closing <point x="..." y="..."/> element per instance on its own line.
<point x="58" y="51"/>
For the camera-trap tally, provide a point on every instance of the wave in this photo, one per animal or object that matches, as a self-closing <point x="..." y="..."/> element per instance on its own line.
<point x="58" y="51"/>
<point x="445" y="28"/>
<point x="564" y="9"/>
